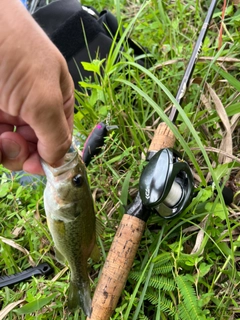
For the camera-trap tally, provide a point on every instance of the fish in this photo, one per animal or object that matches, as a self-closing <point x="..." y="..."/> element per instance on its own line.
<point x="71" y="220"/>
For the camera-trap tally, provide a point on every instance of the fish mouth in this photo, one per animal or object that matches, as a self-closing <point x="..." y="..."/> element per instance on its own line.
<point x="70" y="162"/>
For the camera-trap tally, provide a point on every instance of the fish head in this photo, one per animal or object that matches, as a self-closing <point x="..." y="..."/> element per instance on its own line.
<point x="69" y="181"/>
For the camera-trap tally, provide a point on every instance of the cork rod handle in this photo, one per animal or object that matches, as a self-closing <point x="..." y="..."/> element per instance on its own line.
<point x="117" y="266"/>
<point x="123" y="249"/>
<point x="163" y="138"/>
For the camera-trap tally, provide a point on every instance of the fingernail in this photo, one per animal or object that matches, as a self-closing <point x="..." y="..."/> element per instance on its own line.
<point x="10" y="148"/>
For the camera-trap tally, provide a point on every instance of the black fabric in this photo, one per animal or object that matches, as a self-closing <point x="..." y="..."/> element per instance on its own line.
<point x="73" y="35"/>
<point x="107" y="19"/>
<point x="63" y="21"/>
<point x="52" y="16"/>
<point x="87" y="54"/>
<point x="81" y="34"/>
<point x="110" y="22"/>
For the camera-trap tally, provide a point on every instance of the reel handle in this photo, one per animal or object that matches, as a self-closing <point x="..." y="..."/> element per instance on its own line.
<point x="125" y="245"/>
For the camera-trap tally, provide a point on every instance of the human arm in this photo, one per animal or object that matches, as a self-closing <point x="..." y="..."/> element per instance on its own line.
<point x="36" y="93"/>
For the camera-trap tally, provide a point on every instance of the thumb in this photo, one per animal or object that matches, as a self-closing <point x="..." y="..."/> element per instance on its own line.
<point x="14" y="150"/>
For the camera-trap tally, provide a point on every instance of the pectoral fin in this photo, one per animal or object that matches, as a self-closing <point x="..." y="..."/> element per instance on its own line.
<point x="95" y="254"/>
<point x="60" y="258"/>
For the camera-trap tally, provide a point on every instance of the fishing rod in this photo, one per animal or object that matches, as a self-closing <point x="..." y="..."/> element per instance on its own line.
<point x="33" y="6"/>
<point x="193" y="59"/>
<point x="165" y="186"/>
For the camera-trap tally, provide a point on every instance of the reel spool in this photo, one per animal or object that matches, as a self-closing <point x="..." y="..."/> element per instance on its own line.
<point x="166" y="183"/>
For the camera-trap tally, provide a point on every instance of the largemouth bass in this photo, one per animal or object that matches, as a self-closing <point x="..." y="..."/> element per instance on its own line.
<point x="71" y="220"/>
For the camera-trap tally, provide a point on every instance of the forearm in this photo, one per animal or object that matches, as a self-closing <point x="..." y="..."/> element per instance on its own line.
<point x="36" y="92"/>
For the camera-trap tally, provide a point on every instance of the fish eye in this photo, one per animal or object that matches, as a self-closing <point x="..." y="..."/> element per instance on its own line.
<point x="77" y="181"/>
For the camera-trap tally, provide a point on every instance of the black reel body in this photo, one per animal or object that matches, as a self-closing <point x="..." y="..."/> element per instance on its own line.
<point x="166" y="183"/>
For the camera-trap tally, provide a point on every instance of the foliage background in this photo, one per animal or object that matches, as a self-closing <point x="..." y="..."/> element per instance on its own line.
<point x="188" y="267"/>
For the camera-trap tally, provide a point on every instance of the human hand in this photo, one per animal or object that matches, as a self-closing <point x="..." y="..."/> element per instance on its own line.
<point x="36" y="94"/>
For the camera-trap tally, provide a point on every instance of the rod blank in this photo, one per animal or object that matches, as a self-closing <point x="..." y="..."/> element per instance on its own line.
<point x="192" y="62"/>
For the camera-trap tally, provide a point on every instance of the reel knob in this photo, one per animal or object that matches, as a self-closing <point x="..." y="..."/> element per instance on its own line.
<point x="166" y="183"/>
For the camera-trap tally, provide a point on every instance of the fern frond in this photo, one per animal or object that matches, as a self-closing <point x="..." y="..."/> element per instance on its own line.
<point x="162" y="258"/>
<point x="166" y="305"/>
<point x="190" y="301"/>
<point x="162" y="266"/>
<point x="184" y="313"/>
<point x="152" y="297"/>
<point x="135" y="275"/>
<point x="158" y="282"/>
<point x="163" y="283"/>
<point x="161" y="269"/>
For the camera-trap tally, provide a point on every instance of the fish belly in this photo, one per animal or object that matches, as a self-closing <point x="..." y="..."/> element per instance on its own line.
<point x="75" y="242"/>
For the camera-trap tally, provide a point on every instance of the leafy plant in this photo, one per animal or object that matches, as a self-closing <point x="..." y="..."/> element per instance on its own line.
<point x="186" y="267"/>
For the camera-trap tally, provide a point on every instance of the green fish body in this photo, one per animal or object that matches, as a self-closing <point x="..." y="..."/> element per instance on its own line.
<point x="71" y="220"/>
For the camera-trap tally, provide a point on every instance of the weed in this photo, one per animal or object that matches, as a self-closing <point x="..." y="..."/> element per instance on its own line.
<point x="187" y="267"/>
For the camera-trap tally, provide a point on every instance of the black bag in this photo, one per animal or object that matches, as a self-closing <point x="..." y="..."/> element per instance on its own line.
<point x="81" y="34"/>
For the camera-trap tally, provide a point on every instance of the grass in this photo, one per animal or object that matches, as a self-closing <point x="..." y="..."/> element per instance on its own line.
<point x="187" y="267"/>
